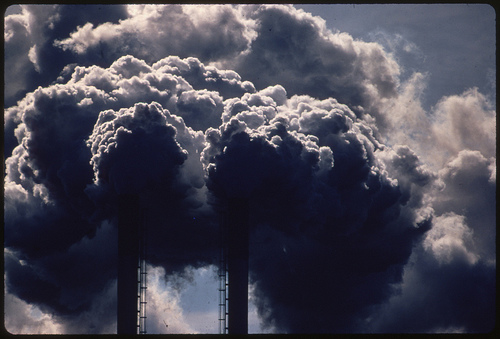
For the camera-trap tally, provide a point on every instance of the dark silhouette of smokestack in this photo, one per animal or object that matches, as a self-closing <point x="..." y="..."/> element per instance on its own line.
<point x="236" y="223"/>
<point x="128" y="258"/>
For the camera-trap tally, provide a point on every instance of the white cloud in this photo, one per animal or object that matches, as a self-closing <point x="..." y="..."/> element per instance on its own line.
<point x="465" y="121"/>
<point x="469" y="190"/>
<point x="163" y="306"/>
<point x="191" y="31"/>
<point x="17" y="44"/>
<point x="23" y="318"/>
<point x="450" y="238"/>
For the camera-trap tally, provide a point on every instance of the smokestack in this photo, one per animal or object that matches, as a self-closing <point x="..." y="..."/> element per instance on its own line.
<point x="236" y="224"/>
<point x="128" y="258"/>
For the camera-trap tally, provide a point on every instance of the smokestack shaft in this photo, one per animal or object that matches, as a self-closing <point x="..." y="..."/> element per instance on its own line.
<point x="237" y="230"/>
<point x="128" y="258"/>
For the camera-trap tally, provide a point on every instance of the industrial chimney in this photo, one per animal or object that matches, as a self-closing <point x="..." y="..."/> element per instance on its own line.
<point x="128" y="258"/>
<point x="236" y="229"/>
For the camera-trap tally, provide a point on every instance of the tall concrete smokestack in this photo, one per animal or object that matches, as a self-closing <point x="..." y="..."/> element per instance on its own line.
<point x="236" y="223"/>
<point x="128" y="258"/>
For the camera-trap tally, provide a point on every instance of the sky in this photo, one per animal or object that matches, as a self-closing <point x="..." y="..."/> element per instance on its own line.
<point x="362" y="136"/>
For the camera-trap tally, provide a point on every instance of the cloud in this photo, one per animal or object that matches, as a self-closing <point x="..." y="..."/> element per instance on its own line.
<point x="164" y="305"/>
<point x="24" y="318"/>
<point x="460" y="246"/>
<point x="72" y="285"/>
<point x="430" y="288"/>
<point x="206" y="32"/>
<point x="448" y="238"/>
<point x="17" y="48"/>
<point x="470" y="190"/>
<point x="31" y="59"/>
<point x="125" y="144"/>
<point x="328" y="65"/>
<point x="251" y="41"/>
<point x="465" y="121"/>
<point x="459" y="122"/>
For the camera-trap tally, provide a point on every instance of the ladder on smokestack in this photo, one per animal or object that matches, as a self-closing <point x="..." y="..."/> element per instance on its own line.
<point x="223" y="286"/>
<point x="141" y="282"/>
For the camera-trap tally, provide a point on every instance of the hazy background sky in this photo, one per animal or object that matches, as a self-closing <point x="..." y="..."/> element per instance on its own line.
<point x="438" y="39"/>
<point x="363" y="136"/>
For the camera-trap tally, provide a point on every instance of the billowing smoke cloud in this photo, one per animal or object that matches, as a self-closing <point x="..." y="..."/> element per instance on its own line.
<point x="261" y="43"/>
<point x="448" y="280"/>
<point x="354" y="226"/>
<point x="325" y="213"/>
<point x="328" y="65"/>
<point x="210" y="33"/>
<point x="30" y="57"/>
<point x="78" y="150"/>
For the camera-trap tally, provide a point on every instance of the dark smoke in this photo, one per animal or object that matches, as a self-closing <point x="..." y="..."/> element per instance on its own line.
<point x="317" y="192"/>
<point x="76" y="154"/>
<point x="136" y="151"/>
<point x="330" y="233"/>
